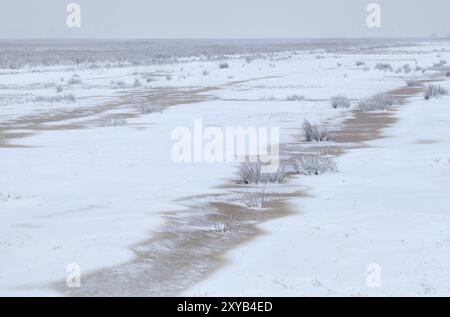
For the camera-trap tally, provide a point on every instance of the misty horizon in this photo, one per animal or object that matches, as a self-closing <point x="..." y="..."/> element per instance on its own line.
<point x="199" y="19"/>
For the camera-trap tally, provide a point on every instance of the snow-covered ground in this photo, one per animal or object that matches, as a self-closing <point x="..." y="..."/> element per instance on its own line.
<point x="386" y="212"/>
<point x="75" y="191"/>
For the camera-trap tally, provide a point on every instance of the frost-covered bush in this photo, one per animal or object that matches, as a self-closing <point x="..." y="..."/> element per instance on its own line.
<point x="223" y="65"/>
<point x="434" y="91"/>
<point x="148" y="109"/>
<point x="112" y="122"/>
<point x="384" y="67"/>
<point x="252" y="173"/>
<point x="313" y="164"/>
<point x="360" y="63"/>
<point x="295" y="97"/>
<point x="59" y="89"/>
<point x="405" y="68"/>
<point x="137" y="83"/>
<point x="259" y="199"/>
<point x="267" y="98"/>
<point x="440" y="63"/>
<point x="413" y="82"/>
<point x="340" y="101"/>
<point x="313" y="132"/>
<point x="74" y="80"/>
<point x="7" y="99"/>
<point x="118" y="84"/>
<point x="376" y="103"/>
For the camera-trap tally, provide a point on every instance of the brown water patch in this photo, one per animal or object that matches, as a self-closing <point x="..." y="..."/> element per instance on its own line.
<point x="88" y="116"/>
<point x="366" y="126"/>
<point x="185" y="250"/>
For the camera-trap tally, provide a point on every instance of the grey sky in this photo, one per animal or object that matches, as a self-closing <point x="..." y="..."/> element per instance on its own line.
<point x="223" y="18"/>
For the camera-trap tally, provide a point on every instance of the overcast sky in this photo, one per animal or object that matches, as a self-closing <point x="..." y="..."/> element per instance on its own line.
<point x="223" y="18"/>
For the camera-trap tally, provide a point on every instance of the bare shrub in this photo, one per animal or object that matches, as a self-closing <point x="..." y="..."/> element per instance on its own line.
<point x="223" y="65"/>
<point x="314" y="132"/>
<point x="295" y="97"/>
<point x="434" y="91"/>
<point x="252" y="173"/>
<point x="205" y="73"/>
<point x="59" y="89"/>
<point x="340" y="101"/>
<point x="223" y="224"/>
<point x="259" y="199"/>
<point x="384" y="67"/>
<point x="313" y="164"/>
<point x="112" y="122"/>
<point x="376" y="103"/>
<point x="360" y="63"/>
